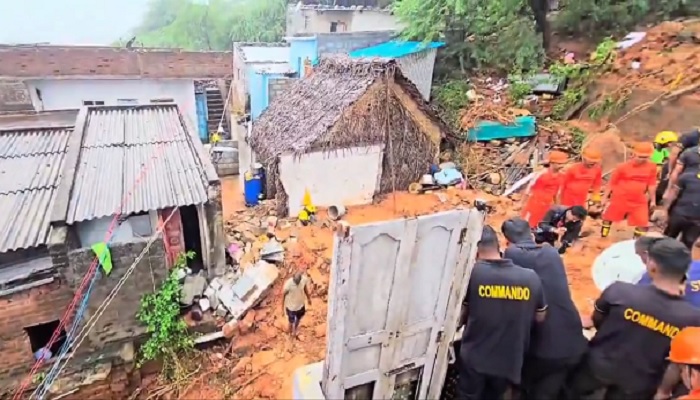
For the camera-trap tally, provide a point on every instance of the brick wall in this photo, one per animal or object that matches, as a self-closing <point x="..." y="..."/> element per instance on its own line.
<point x="24" y="309"/>
<point x="279" y="86"/>
<point x="347" y="42"/>
<point x="119" y="320"/>
<point x="14" y="96"/>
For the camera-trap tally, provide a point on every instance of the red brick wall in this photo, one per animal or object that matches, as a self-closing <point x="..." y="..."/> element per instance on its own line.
<point x="23" y="309"/>
<point x="172" y="234"/>
<point x="115" y="387"/>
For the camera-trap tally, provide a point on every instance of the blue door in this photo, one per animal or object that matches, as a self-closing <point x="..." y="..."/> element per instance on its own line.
<point x="201" y="101"/>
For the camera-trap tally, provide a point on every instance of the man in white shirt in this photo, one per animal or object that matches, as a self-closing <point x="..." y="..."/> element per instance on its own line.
<point x="296" y="293"/>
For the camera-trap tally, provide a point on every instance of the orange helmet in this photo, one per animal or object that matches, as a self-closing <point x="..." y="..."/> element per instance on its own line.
<point x="685" y="347"/>
<point x="558" y="157"/>
<point x="592" y="155"/>
<point x="644" y="149"/>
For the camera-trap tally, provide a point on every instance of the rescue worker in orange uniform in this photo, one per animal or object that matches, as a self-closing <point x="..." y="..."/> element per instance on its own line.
<point x="582" y="178"/>
<point x="544" y="189"/>
<point x="631" y="192"/>
<point x="685" y="352"/>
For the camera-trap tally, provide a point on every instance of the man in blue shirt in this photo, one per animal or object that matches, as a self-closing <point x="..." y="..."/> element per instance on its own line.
<point x="691" y="289"/>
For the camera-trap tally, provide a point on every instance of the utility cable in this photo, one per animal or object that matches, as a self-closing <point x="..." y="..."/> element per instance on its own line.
<point x="91" y="270"/>
<point x="90" y="324"/>
<point x="52" y="374"/>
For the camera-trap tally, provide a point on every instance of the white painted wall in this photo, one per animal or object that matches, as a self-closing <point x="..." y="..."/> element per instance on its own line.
<point x="309" y="21"/>
<point x="342" y="177"/>
<point x="245" y="152"/>
<point x="61" y="94"/>
<point x="134" y="228"/>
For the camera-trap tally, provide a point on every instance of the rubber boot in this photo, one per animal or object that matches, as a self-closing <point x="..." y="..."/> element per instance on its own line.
<point x="639" y="232"/>
<point x="605" y="229"/>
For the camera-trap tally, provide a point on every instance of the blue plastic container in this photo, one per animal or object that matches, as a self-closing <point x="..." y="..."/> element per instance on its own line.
<point x="252" y="188"/>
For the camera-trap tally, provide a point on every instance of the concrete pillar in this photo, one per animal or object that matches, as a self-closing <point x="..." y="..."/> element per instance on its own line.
<point x="213" y="210"/>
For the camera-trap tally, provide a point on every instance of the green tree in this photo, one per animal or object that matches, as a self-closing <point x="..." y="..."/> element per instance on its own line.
<point x="213" y="26"/>
<point x="599" y="18"/>
<point x="497" y="34"/>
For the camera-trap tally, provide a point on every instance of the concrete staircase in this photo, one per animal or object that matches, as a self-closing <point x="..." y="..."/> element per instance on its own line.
<point x="215" y="110"/>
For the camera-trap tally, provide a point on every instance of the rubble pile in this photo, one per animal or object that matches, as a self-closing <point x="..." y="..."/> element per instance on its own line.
<point x="666" y="58"/>
<point x="496" y="165"/>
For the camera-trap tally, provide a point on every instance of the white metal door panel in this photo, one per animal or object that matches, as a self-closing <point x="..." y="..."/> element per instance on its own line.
<point x="388" y="298"/>
<point x="426" y="283"/>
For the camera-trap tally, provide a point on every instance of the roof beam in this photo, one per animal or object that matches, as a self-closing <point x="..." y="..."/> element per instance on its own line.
<point x="65" y="186"/>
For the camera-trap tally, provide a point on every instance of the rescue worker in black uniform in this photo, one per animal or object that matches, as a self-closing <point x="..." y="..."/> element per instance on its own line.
<point x="501" y="305"/>
<point x="684" y="217"/>
<point x="561" y="223"/>
<point x="635" y="324"/>
<point x="682" y="156"/>
<point x="558" y="344"/>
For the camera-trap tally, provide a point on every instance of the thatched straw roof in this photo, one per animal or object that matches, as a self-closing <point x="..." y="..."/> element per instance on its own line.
<point x="301" y="119"/>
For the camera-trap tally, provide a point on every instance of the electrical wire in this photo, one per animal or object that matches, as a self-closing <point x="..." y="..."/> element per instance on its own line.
<point x="91" y="270"/>
<point x="90" y="324"/>
<point x="52" y="374"/>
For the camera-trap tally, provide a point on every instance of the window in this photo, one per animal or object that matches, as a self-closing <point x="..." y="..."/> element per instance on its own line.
<point x="159" y="101"/>
<point x="93" y="103"/>
<point x="334" y="27"/>
<point x="127" y="102"/>
<point x="40" y="335"/>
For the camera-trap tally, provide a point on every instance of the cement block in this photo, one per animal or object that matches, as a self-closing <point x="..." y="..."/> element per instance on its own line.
<point x="306" y="382"/>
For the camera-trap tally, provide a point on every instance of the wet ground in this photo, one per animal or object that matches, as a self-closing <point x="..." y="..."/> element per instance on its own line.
<point x="268" y="357"/>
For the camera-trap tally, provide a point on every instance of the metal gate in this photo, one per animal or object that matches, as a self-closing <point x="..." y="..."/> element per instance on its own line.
<point x="394" y="301"/>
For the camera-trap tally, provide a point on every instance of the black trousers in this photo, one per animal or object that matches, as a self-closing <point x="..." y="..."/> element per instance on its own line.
<point x="473" y="385"/>
<point x="688" y="228"/>
<point x="545" y="379"/>
<point x="585" y="384"/>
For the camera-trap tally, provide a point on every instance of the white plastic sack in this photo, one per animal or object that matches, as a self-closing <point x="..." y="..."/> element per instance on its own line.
<point x="618" y="262"/>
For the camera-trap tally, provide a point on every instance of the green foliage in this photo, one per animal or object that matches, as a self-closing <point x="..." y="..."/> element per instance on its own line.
<point x="607" y="105"/>
<point x="160" y="313"/>
<point x="214" y="26"/>
<point x="479" y="34"/>
<point x="580" y="76"/>
<point x="451" y="98"/>
<point x="578" y="138"/>
<point x="568" y="99"/>
<point x="519" y="87"/>
<point x="603" y="17"/>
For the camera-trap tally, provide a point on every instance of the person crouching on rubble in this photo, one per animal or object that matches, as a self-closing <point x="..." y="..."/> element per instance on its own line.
<point x="558" y="344"/>
<point x="635" y="324"/>
<point x="582" y="178"/>
<point x="561" y="224"/>
<point x="502" y="303"/>
<point x="631" y="192"/>
<point x="544" y="189"/>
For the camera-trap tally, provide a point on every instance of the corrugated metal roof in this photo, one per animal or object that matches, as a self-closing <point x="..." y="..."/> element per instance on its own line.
<point x="30" y="171"/>
<point x="394" y="49"/>
<point x="142" y="150"/>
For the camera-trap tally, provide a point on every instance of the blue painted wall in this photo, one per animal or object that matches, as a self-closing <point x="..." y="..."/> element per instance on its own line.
<point x="299" y="50"/>
<point x="201" y="104"/>
<point x="259" y="92"/>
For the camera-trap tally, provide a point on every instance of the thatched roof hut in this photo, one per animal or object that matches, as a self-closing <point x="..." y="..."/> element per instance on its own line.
<point x="349" y="104"/>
